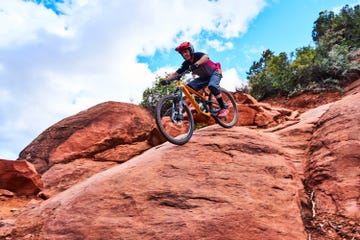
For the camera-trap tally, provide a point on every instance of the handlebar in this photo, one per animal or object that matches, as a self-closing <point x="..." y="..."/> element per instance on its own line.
<point x="180" y="75"/>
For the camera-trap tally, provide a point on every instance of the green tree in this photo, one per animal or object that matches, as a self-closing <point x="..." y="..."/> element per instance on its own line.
<point x="278" y="72"/>
<point x="153" y="94"/>
<point x="333" y="62"/>
<point x="332" y="29"/>
<point x="260" y="86"/>
<point x="305" y="58"/>
<point x="323" y="33"/>
<point x="270" y="75"/>
<point x="257" y="67"/>
<point x="301" y="69"/>
<point x="339" y="67"/>
<point x="348" y="23"/>
<point x="337" y="37"/>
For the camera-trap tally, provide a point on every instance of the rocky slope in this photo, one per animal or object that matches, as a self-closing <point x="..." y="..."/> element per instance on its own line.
<point x="278" y="175"/>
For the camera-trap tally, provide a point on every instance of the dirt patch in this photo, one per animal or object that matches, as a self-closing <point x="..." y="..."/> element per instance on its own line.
<point x="304" y="101"/>
<point x="9" y="205"/>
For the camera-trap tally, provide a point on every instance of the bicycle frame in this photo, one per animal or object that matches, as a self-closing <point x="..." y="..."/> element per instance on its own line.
<point x="189" y="93"/>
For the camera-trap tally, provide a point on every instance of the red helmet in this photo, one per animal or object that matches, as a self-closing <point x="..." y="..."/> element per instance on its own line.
<point x="183" y="46"/>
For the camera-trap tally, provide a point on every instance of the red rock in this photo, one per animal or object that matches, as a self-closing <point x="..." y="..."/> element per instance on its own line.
<point x="19" y="177"/>
<point x="104" y="135"/>
<point x="62" y="176"/>
<point x="334" y="164"/>
<point x="298" y="180"/>
<point x="246" y="115"/>
<point x="6" y="193"/>
<point x="253" y="113"/>
<point x="224" y="184"/>
<point x="243" y="98"/>
<point x="90" y="133"/>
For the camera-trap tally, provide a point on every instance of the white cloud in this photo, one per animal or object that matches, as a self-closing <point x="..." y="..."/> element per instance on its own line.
<point x="252" y="51"/>
<point x="337" y="9"/>
<point x="52" y="66"/>
<point x="219" y="45"/>
<point x="22" y="21"/>
<point x="231" y="80"/>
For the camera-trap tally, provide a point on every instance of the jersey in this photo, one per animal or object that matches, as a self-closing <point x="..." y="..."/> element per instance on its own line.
<point x="204" y="70"/>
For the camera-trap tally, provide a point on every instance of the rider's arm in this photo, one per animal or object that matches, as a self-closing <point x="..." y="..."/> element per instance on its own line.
<point x="202" y="60"/>
<point x="172" y="76"/>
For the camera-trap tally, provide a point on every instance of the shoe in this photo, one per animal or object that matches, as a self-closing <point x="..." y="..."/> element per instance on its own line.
<point x="223" y="112"/>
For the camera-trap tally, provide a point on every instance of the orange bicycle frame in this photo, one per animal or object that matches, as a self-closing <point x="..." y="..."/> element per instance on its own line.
<point x="189" y="93"/>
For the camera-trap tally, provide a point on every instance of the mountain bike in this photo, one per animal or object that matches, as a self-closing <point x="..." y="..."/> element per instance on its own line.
<point x="174" y="117"/>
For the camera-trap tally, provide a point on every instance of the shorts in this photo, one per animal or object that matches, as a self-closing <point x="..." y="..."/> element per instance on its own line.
<point x="211" y="81"/>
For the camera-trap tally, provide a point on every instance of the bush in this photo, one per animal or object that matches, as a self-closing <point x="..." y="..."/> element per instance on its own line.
<point x="153" y="94"/>
<point x="334" y="61"/>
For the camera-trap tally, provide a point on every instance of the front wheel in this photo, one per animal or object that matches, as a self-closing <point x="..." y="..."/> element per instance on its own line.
<point x="174" y="120"/>
<point x="229" y="120"/>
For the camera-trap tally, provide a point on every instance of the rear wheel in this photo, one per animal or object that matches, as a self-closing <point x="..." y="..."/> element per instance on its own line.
<point x="230" y="119"/>
<point x="177" y="127"/>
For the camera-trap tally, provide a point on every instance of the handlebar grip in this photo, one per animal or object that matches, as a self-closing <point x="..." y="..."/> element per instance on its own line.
<point x="179" y="76"/>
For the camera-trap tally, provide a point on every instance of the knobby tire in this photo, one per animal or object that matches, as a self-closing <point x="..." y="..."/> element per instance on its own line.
<point x="173" y="129"/>
<point x="231" y="119"/>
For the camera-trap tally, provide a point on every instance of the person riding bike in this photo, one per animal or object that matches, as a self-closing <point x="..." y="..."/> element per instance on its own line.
<point x="209" y="73"/>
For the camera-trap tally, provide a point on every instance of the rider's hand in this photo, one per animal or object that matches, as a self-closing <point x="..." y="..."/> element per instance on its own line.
<point x="165" y="82"/>
<point x="194" y="66"/>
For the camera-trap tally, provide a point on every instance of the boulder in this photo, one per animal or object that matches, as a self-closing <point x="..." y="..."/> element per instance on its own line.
<point x="19" y="177"/>
<point x="91" y="133"/>
<point x="253" y="113"/>
<point x="224" y="184"/>
<point x="89" y="142"/>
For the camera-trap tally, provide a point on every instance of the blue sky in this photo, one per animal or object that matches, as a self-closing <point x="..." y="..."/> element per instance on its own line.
<point x="61" y="57"/>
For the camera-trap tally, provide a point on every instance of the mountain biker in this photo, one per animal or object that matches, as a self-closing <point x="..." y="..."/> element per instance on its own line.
<point x="209" y="73"/>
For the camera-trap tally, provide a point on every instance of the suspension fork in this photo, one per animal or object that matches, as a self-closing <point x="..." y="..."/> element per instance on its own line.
<point x="178" y="115"/>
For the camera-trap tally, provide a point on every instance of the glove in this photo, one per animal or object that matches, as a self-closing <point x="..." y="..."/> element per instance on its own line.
<point x="165" y="82"/>
<point x="194" y="66"/>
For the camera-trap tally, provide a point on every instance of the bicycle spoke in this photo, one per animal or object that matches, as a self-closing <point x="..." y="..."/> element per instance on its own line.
<point x="231" y="118"/>
<point x="177" y="127"/>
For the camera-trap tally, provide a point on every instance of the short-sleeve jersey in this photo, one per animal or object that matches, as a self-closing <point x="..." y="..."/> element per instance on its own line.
<point x="204" y="70"/>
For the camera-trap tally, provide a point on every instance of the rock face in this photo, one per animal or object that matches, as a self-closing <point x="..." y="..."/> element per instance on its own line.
<point x="225" y="184"/>
<point x="90" y="142"/>
<point x="253" y="113"/>
<point x="104" y="132"/>
<point x="19" y="177"/>
<point x="111" y="133"/>
<point x="333" y="170"/>
<point x="298" y="179"/>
